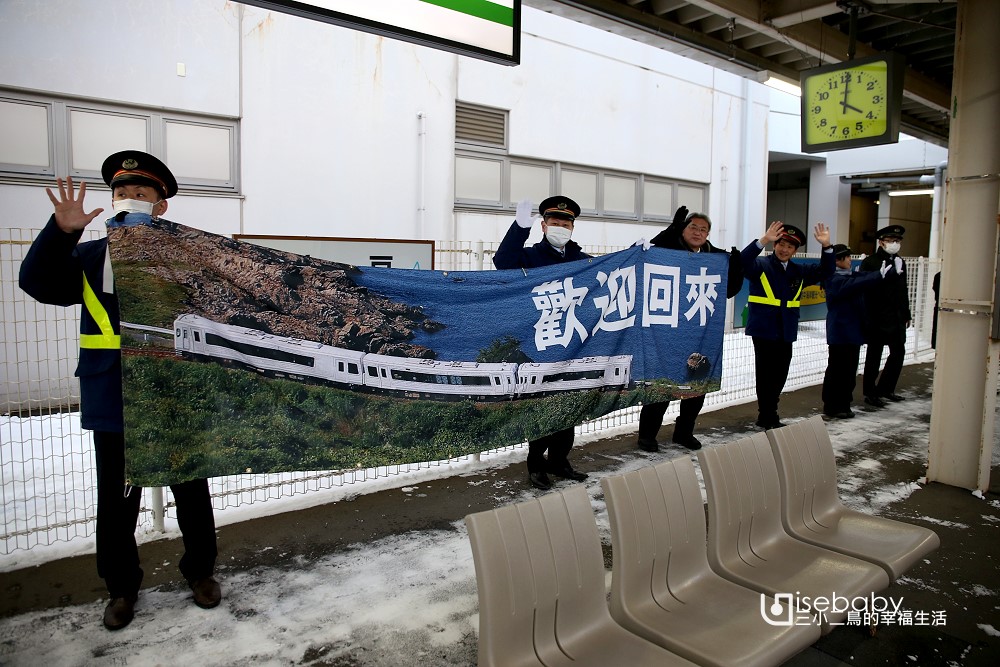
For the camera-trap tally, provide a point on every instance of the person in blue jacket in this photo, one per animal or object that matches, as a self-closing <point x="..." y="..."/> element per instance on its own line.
<point x="776" y="284"/>
<point x="845" y="325"/>
<point x="559" y="216"/>
<point x="59" y="270"/>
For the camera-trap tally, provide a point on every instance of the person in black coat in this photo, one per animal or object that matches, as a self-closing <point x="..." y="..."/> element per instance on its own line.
<point x="559" y="216"/>
<point x="687" y="232"/>
<point x="845" y="323"/>
<point x="888" y="308"/>
<point x="59" y="270"/>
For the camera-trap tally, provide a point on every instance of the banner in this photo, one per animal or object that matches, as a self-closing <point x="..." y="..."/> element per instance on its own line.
<point x="243" y="359"/>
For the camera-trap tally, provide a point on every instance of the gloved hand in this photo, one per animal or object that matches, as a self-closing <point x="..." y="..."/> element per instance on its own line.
<point x="681" y="215"/>
<point x="886" y="268"/>
<point x="646" y="245"/>
<point x="898" y="262"/>
<point x="523" y="215"/>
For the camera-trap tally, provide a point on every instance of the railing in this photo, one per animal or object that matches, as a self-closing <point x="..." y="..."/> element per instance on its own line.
<point x="47" y="474"/>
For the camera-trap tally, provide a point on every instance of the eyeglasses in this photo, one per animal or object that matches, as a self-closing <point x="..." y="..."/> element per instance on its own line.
<point x="699" y="230"/>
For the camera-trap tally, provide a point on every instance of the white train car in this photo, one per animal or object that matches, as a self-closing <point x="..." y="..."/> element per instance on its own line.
<point x="440" y="379"/>
<point x="535" y="379"/>
<point x="279" y="356"/>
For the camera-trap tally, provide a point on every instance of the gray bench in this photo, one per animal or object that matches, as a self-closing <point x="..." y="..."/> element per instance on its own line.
<point x="812" y="511"/>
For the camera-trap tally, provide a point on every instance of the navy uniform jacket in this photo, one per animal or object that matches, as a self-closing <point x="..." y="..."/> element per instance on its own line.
<point x="59" y="270"/>
<point x="845" y="306"/>
<point x="775" y="315"/>
<point x="888" y="303"/>
<point x="513" y="255"/>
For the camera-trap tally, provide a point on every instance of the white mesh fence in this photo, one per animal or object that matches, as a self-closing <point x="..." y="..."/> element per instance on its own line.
<point x="47" y="472"/>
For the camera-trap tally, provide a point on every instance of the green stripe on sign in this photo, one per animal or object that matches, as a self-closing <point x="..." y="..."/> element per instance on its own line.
<point x="489" y="11"/>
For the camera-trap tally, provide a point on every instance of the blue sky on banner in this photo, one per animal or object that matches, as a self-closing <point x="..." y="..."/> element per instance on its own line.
<point x="659" y="306"/>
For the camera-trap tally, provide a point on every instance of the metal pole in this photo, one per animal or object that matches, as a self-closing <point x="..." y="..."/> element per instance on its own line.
<point x="964" y="401"/>
<point x="158" y="513"/>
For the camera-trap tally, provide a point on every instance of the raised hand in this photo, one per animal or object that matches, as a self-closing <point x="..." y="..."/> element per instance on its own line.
<point x="773" y="233"/>
<point x="70" y="216"/>
<point x="523" y="215"/>
<point x="822" y="234"/>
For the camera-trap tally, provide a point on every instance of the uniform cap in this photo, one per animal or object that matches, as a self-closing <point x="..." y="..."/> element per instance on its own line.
<point x="793" y="235"/>
<point x="840" y="250"/>
<point x="139" y="168"/>
<point x="560" y="207"/>
<point x="891" y="230"/>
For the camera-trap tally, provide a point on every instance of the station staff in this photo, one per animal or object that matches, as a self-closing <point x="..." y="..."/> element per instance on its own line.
<point x="845" y="324"/>
<point x="776" y="284"/>
<point x="687" y="232"/>
<point x="59" y="270"/>
<point x="559" y="216"/>
<point x="888" y="307"/>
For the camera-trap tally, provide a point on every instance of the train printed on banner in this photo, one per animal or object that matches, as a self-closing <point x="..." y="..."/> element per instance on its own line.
<point x="201" y="339"/>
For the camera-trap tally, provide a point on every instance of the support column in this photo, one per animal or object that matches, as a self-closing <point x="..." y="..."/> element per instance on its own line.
<point x="966" y="368"/>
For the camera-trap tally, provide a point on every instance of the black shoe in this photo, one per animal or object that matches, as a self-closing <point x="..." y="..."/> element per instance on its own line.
<point x="895" y="398"/>
<point x="648" y="445"/>
<point x="540" y="480"/>
<point x="846" y="414"/>
<point x="875" y="401"/>
<point x="119" y="612"/>
<point x="690" y="442"/>
<point x="567" y="472"/>
<point x="768" y="424"/>
<point x="207" y="592"/>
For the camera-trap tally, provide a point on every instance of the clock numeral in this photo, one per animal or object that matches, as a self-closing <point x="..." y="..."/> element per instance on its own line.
<point x="846" y="131"/>
<point x="876" y="99"/>
<point x="847" y="77"/>
<point x="824" y="95"/>
<point x="870" y="116"/>
<point x="833" y="85"/>
<point x="871" y="85"/>
<point x="859" y="126"/>
<point x="833" y="130"/>
<point x="822" y="122"/>
<point x="816" y="109"/>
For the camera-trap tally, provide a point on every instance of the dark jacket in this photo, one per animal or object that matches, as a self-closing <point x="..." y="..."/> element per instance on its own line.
<point x="57" y="270"/>
<point x="513" y="255"/>
<point x="888" y="303"/>
<point x="671" y="239"/>
<point x="775" y="315"/>
<point x="845" y="306"/>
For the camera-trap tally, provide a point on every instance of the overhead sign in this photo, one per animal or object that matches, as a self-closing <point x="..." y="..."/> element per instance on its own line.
<point x="485" y="29"/>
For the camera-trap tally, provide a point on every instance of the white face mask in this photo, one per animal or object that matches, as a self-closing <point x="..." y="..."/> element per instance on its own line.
<point x="892" y="248"/>
<point x="558" y="236"/>
<point x="133" y="206"/>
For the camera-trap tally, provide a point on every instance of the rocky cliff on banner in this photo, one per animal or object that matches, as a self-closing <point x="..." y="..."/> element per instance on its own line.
<point x="165" y="269"/>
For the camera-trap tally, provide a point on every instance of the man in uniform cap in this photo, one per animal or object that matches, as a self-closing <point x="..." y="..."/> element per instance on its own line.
<point x="888" y="309"/>
<point x="845" y="318"/>
<point x="559" y="215"/>
<point x="60" y="270"/>
<point x="776" y="284"/>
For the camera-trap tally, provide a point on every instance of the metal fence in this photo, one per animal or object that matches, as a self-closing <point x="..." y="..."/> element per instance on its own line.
<point x="47" y="472"/>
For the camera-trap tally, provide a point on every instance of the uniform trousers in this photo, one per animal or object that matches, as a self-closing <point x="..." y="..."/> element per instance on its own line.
<point x="876" y="385"/>
<point x="841" y="377"/>
<point x="772" y="358"/>
<point x="118" y="512"/>
<point x="558" y="445"/>
<point x="651" y="418"/>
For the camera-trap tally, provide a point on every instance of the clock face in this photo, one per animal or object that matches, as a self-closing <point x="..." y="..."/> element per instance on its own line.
<point x="850" y="103"/>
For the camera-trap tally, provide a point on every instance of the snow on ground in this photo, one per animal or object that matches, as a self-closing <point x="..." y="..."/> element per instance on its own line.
<point x="403" y="600"/>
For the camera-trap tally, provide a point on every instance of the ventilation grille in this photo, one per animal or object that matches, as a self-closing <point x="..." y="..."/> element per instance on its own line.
<point x="478" y="125"/>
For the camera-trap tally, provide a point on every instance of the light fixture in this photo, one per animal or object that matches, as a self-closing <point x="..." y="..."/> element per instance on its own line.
<point x="768" y="78"/>
<point x="910" y="193"/>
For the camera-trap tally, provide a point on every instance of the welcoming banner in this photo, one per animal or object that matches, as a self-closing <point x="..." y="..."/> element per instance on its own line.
<point x="239" y="358"/>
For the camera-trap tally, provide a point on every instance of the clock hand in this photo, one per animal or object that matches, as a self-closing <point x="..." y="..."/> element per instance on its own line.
<point x="848" y="106"/>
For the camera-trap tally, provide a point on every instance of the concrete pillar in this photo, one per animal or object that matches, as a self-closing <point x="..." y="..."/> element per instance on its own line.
<point x="966" y="368"/>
